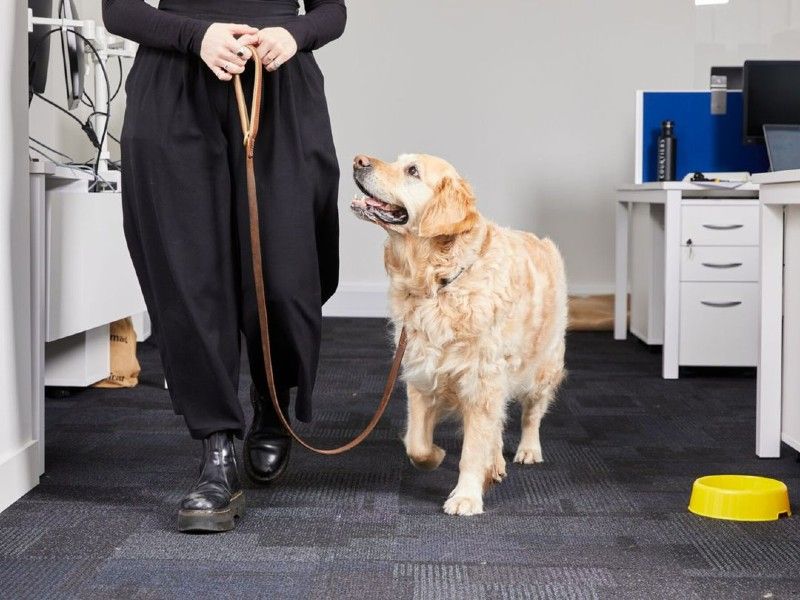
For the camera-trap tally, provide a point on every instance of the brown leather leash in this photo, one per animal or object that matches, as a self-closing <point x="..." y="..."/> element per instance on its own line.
<point x="250" y="131"/>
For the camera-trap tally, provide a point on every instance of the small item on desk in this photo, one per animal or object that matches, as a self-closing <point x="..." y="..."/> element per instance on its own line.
<point x="725" y="181"/>
<point x="667" y="151"/>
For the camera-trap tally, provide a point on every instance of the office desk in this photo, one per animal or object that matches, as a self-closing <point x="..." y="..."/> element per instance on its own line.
<point x="699" y="251"/>
<point x="778" y="403"/>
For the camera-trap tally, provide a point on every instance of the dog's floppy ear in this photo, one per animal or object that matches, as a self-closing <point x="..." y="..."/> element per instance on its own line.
<point x="451" y="210"/>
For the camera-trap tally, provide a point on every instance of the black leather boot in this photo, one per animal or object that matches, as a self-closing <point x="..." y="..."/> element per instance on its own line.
<point x="217" y="499"/>
<point x="267" y="445"/>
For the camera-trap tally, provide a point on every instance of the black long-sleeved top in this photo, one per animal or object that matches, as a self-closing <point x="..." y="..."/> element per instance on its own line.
<point x="136" y="20"/>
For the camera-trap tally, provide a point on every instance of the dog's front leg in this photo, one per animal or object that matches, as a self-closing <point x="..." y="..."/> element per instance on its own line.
<point x="422" y="417"/>
<point x="481" y="424"/>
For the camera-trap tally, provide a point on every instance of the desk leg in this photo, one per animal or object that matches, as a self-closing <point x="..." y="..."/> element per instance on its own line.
<point x="621" y="289"/>
<point x="770" y="356"/>
<point x="672" y="284"/>
<point x="38" y="307"/>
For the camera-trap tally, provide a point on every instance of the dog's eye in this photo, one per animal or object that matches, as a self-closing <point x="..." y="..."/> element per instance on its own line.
<point x="412" y="171"/>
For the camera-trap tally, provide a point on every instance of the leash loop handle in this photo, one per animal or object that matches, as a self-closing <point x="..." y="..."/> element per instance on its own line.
<point x="250" y="122"/>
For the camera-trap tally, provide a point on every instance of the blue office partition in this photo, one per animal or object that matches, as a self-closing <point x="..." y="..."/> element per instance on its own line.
<point x="706" y="142"/>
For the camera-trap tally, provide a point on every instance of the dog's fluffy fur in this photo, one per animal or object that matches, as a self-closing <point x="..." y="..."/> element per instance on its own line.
<point x="485" y="311"/>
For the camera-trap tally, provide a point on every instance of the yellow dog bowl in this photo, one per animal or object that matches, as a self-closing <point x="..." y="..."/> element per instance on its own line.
<point x="739" y="498"/>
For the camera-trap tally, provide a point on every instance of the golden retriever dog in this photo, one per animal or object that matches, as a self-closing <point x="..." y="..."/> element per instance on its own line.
<point x="485" y="311"/>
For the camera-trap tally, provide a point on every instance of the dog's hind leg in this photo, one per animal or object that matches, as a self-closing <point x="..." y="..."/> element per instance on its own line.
<point x="534" y="407"/>
<point x="422" y="417"/>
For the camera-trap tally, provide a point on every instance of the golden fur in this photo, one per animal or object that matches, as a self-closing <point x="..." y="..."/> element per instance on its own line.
<point x="485" y="310"/>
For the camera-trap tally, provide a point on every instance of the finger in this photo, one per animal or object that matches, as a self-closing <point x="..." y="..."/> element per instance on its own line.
<point x="231" y="57"/>
<point x="239" y="29"/>
<point x="274" y="53"/>
<point x="264" y="47"/>
<point x="277" y="62"/>
<point x="229" y="67"/>
<point x="239" y="46"/>
<point x="221" y="74"/>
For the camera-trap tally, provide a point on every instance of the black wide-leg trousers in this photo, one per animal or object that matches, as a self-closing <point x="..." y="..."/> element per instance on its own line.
<point x="186" y="223"/>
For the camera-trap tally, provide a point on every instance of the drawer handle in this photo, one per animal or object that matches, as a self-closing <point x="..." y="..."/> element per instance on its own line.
<point x="721" y="304"/>
<point x="722" y="265"/>
<point x="723" y="227"/>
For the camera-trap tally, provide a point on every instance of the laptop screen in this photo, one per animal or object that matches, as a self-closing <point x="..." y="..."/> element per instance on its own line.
<point x="783" y="146"/>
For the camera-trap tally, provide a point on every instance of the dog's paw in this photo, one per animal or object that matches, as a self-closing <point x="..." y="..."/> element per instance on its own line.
<point x="430" y="461"/>
<point x="528" y="456"/>
<point x="464" y="505"/>
<point x="498" y="471"/>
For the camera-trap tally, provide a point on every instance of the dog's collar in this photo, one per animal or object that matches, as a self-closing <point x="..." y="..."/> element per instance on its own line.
<point x="445" y="281"/>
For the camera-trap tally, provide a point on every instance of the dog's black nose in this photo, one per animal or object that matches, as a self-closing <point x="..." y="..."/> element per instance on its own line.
<point x="361" y="162"/>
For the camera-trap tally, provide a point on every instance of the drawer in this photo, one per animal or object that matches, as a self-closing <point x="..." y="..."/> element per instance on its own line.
<point x="90" y="277"/>
<point x="719" y="324"/>
<point x="719" y="263"/>
<point x="724" y="225"/>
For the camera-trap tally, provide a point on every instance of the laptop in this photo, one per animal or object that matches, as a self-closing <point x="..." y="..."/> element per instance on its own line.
<point x="783" y="146"/>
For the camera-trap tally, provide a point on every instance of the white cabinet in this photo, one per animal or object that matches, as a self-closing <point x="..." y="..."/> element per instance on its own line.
<point x="719" y="283"/>
<point x="90" y="277"/>
<point x="83" y="273"/>
<point x="689" y="257"/>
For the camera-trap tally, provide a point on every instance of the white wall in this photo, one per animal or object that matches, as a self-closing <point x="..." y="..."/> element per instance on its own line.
<point x="532" y="100"/>
<point x="19" y="465"/>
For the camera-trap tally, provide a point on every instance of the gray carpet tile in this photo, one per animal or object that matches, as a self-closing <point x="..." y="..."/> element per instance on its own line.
<point x="604" y="516"/>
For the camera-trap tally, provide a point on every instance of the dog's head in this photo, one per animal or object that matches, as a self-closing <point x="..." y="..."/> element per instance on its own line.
<point x="417" y="195"/>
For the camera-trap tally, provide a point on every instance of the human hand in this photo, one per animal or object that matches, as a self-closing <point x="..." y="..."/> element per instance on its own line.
<point x="275" y="47"/>
<point x="224" y="52"/>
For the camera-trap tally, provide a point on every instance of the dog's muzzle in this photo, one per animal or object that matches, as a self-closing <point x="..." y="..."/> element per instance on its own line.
<point x="373" y="209"/>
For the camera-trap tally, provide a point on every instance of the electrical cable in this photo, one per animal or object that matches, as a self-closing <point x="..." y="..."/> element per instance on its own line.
<point x="119" y="83"/>
<point x="108" y="95"/>
<point x="75" y="167"/>
<point x="86" y="127"/>
<point x="61" y="108"/>
<point x="47" y="156"/>
<point x="43" y="145"/>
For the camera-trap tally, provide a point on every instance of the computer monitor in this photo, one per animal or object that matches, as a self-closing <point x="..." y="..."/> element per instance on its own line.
<point x="771" y="95"/>
<point x="38" y="48"/>
<point x="72" y="48"/>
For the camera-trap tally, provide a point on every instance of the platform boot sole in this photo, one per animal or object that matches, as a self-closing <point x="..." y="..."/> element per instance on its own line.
<point x="212" y="520"/>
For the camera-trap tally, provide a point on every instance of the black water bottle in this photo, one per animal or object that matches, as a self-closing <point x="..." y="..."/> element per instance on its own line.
<point x="667" y="148"/>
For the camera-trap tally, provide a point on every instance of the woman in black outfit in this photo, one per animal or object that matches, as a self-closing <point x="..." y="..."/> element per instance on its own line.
<point x="186" y="224"/>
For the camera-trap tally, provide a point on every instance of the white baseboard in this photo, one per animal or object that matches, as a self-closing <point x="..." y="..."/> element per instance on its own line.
<point x="369" y="298"/>
<point x="591" y="289"/>
<point x="19" y="473"/>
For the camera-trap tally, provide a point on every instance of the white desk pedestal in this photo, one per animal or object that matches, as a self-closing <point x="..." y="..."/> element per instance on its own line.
<point x="655" y="226"/>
